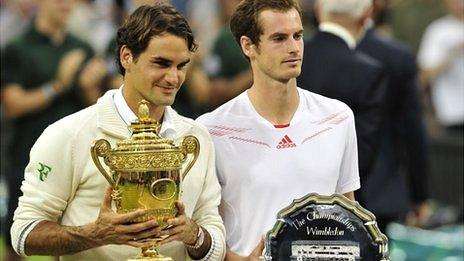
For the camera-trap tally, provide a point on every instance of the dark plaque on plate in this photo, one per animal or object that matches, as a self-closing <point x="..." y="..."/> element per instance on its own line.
<point x="322" y="228"/>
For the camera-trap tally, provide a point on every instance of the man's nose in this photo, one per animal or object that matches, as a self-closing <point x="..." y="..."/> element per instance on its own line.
<point x="172" y="76"/>
<point x="294" y="46"/>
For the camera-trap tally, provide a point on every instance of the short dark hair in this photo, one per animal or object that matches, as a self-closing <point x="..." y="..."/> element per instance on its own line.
<point x="149" y="21"/>
<point x="245" y="20"/>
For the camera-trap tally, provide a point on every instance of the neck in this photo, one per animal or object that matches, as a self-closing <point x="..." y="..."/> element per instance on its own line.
<point x="275" y="101"/>
<point x="55" y="32"/>
<point x="354" y="28"/>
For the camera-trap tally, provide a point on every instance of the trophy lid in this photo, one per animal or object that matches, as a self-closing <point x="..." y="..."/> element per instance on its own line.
<point x="145" y="150"/>
<point x="145" y="134"/>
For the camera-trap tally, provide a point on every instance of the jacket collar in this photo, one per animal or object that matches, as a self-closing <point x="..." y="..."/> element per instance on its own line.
<point x="339" y="31"/>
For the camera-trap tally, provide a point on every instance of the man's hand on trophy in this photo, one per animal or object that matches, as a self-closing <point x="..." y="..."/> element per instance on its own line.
<point x="113" y="228"/>
<point x="196" y="239"/>
<point x="181" y="228"/>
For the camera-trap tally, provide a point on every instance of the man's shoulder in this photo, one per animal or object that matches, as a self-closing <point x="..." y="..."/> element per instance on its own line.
<point x="337" y="52"/>
<point x="323" y="103"/>
<point x="327" y="45"/>
<point x="387" y="50"/>
<point x="366" y="62"/>
<point x="330" y="49"/>
<point x="74" y="123"/>
<point x="224" y="112"/>
<point x="397" y="47"/>
<point x="191" y="123"/>
<point x="190" y="126"/>
<point x="19" y="43"/>
<point x="441" y="25"/>
<point x="90" y="114"/>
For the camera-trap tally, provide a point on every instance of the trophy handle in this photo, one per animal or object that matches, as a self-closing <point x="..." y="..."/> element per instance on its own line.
<point x="190" y="145"/>
<point x="100" y="148"/>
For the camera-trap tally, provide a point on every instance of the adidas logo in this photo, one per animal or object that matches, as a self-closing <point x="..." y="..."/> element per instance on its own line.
<point x="285" y="143"/>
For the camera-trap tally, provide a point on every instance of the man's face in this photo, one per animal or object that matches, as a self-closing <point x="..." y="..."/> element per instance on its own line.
<point x="158" y="72"/>
<point x="279" y="52"/>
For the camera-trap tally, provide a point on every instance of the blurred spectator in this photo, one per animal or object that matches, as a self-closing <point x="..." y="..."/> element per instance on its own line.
<point x="15" y="15"/>
<point x="380" y="17"/>
<point x="46" y="74"/>
<point x="193" y="98"/>
<point x="180" y="5"/>
<point x="223" y="73"/>
<point x="131" y="5"/>
<point x="310" y="22"/>
<point x="441" y="60"/>
<point x="403" y="140"/>
<point x="91" y="21"/>
<point x="205" y="18"/>
<point x="409" y="19"/>
<point x="113" y="79"/>
<point x="229" y="70"/>
<point x="332" y="68"/>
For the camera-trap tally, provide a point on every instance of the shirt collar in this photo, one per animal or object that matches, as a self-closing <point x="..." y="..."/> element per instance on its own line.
<point x="167" y="127"/>
<point x="339" y="31"/>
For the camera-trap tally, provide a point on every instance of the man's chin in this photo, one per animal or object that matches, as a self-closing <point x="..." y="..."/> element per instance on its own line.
<point x="162" y="102"/>
<point x="289" y="76"/>
<point x="296" y="72"/>
<point x="168" y="102"/>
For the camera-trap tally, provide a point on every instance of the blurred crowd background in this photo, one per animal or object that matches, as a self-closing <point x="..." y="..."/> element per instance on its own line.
<point x="432" y="30"/>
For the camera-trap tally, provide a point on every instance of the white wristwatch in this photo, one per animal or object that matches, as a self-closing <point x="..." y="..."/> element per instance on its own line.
<point x="199" y="241"/>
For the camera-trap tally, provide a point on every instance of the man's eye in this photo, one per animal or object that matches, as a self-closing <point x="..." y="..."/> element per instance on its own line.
<point x="181" y="66"/>
<point x="298" y="36"/>
<point x="162" y="64"/>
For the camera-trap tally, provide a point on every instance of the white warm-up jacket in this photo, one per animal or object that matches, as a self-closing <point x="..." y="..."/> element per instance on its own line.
<point x="62" y="183"/>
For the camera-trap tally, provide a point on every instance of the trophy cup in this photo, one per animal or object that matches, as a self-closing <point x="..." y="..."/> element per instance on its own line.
<point x="146" y="172"/>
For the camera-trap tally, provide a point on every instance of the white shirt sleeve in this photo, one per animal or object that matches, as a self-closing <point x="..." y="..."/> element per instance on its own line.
<point x="206" y="212"/>
<point x="46" y="186"/>
<point x="349" y="171"/>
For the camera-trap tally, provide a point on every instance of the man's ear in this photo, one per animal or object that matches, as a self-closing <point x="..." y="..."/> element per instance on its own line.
<point x="125" y="57"/>
<point x="247" y="46"/>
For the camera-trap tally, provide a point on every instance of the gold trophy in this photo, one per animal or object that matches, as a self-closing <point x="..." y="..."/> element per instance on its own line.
<point x="146" y="172"/>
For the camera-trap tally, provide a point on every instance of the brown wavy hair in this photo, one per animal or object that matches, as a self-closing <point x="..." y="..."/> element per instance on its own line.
<point x="149" y="21"/>
<point x="245" y="20"/>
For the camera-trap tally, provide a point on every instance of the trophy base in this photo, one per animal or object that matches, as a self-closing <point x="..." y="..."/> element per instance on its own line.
<point x="150" y="254"/>
<point x="151" y="258"/>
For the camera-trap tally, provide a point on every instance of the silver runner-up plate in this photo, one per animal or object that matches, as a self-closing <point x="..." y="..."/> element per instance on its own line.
<point x="317" y="227"/>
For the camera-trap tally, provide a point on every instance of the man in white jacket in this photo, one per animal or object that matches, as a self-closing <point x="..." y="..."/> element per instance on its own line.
<point x="64" y="210"/>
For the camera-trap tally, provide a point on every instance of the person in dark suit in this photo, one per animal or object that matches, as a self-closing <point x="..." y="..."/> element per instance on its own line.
<point x="332" y="68"/>
<point x="403" y="141"/>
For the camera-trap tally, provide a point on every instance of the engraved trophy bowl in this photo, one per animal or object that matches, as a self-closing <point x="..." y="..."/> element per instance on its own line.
<point x="146" y="172"/>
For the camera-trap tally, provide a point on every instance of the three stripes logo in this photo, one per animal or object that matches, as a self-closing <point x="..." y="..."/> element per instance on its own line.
<point x="286" y="143"/>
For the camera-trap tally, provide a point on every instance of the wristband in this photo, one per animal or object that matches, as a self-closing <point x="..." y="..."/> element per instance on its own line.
<point x="48" y="90"/>
<point x="200" y="239"/>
